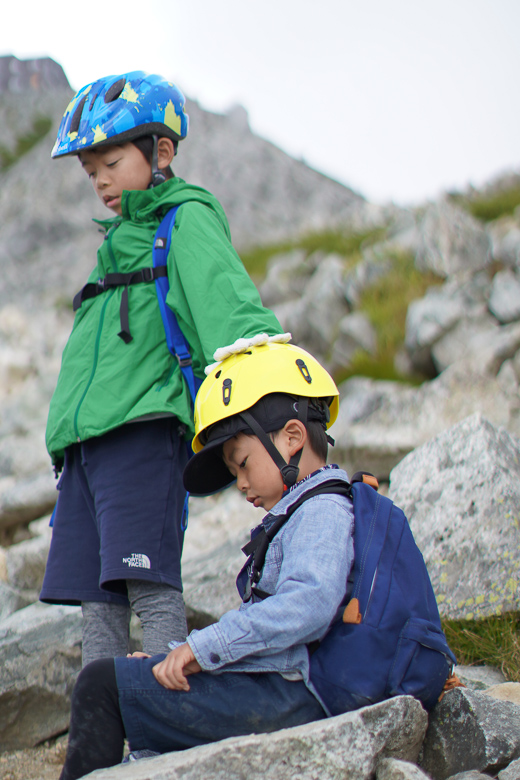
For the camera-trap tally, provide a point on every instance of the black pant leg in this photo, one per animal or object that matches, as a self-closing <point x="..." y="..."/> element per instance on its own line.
<point x="96" y="735"/>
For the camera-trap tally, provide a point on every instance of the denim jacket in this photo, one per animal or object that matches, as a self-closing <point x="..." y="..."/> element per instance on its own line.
<point x="306" y="570"/>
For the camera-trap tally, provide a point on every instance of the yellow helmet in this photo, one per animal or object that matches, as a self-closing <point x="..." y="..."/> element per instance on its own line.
<point x="256" y="391"/>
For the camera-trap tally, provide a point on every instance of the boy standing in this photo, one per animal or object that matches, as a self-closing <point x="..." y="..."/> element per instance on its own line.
<point x="121" y="413"/>
<point x="260" y="418"/>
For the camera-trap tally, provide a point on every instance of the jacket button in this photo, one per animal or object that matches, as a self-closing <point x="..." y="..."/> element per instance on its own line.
<point x="214" y="658"/>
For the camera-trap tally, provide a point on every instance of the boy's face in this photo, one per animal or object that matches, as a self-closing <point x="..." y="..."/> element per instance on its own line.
<point x="257" y="475"/>
<point x="112" y="169"/>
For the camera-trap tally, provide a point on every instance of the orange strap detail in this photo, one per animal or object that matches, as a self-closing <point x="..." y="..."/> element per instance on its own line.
<point x="351" y="613"/>
<point x="452" y="682"/>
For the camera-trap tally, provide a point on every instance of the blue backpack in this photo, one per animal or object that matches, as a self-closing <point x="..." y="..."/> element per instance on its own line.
<point x="389" y="640"/>
<point x="175" y="339"/>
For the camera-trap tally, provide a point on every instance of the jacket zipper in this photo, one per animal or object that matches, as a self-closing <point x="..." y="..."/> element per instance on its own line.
<point x="109" y="294"/>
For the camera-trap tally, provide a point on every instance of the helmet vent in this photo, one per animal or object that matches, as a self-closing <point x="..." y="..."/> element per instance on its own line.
<point x="115" y="90"/>
<point x="304" y="370"/>
<point x="76" y="117"/>
<point x="226" y="391"/>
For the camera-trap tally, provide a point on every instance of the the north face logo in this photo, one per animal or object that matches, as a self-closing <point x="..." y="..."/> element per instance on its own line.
<point x="138" y="561"/>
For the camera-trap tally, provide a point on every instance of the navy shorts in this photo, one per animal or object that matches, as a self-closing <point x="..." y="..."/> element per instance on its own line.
<point x="119" y="515"/>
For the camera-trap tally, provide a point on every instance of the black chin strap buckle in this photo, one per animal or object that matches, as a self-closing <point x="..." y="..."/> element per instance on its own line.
<point x="290" y="474"/>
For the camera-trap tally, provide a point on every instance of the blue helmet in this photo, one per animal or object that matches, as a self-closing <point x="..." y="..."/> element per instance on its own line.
<point x="117" y="109"/>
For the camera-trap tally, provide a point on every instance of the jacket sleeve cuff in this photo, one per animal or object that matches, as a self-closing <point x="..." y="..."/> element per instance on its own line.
<point x="208" y="649"/>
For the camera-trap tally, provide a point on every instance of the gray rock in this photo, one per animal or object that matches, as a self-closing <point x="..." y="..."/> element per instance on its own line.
<point x="323" y="306"/>
<point x="461" y="494"/>
<point x="11" y="600"/>
<point x="286" y="277"/>
<point x="365" y="273"/>
<point x="381" y="422"/>
<point x="505" y="240"/>
<point x="365" y="431"/>
<point x="501" y="344"/>
<point x="41" y="657"/>
<point x="28" y="499"/>
<point x="430" y="318"/>
<point x="473" y="774"/>
<point x="355" y="334"/>
<point x="402" y="236"/>
<point x="348" y="745"/>
<point x="506" y="691"/>
<point x="26" y="561"/>
<point x="427" y="320"/>
<point x="470" y="731"/>
<point x="314" y="317"/>
<point x="20" y="76"/>
<point x="479" y="678"/>
<point x="512" y="772"/>
<point x="452" y="242"/>
<point x="395" y="769"/>
<point x="466" y="340"/>
<point x="212" y="556"/>
<point x="504" y="300"/>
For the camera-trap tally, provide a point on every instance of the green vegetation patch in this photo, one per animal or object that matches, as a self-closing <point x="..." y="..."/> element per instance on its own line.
<point x="487" y="207"/>
<point x="386" y="302"/>
<point x="494" y="641"/>
<point x="346" y="244"/>
<point x="24" y="143"/>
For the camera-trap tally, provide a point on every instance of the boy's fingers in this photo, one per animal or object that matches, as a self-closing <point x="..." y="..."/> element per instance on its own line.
<point x="170" y="675"/>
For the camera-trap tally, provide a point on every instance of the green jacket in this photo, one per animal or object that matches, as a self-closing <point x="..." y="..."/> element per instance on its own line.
<point x="104" y="382"/>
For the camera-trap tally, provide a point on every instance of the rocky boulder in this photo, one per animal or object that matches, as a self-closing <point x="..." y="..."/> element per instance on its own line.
<point x="351" y="745"/>
<point x="470" y="731"/>
<point x="381" y="422"/>
<point x="41" y="657"/>
<point x="452" y="242"/>
<point x="461" y="494"/>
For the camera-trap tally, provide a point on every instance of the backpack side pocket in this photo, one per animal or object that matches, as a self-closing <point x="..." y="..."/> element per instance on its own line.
<point x="422" y="662"/>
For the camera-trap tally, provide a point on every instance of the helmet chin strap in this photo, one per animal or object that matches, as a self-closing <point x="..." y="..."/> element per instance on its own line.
<point x="158" y="176"/>
<point x="289" y="471"/>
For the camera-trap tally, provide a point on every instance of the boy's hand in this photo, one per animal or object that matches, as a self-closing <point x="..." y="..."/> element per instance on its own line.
<point x="138" y="654"/>
<point x="171" y="673"/>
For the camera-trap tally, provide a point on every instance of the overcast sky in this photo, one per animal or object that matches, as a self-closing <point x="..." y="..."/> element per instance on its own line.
<point x="399" y="99"/>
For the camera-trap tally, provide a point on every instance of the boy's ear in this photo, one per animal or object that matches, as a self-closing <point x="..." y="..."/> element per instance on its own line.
<point x="165" y="152"/>
<point x="296" y="433"/>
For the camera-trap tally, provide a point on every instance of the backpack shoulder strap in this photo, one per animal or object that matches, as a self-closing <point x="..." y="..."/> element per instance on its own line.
<point x="259" y="545"/>
<point x="175" y="339"/>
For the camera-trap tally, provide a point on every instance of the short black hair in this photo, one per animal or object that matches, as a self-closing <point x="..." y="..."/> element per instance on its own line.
<point x="316" y="437"/>
<point x="145" y="145"/>
<point x="318" y="441"/>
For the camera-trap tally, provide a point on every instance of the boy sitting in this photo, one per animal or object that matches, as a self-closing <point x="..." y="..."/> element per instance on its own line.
<point x="260" y="418"/>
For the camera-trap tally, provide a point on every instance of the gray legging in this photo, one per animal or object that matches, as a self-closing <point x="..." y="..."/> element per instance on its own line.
<point x="106" y="626"/>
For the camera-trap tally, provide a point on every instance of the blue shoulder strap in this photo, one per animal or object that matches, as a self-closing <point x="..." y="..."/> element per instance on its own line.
<point x="175" y="339"/>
